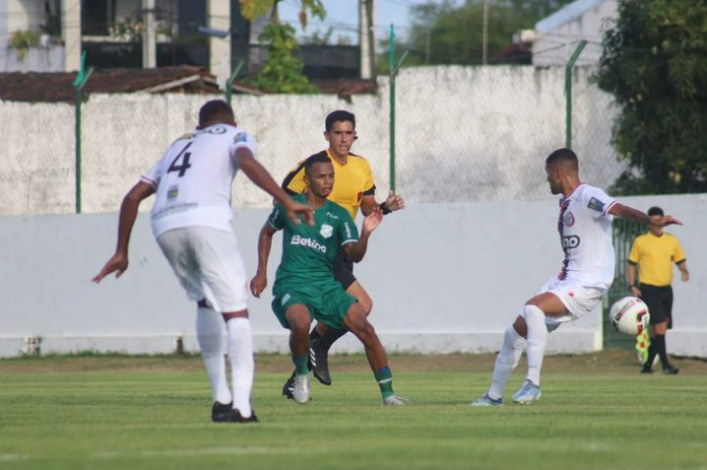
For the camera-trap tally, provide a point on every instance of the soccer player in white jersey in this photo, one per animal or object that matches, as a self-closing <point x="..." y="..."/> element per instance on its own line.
<point x="191" y="221"/>
<point x="586" y="274"/>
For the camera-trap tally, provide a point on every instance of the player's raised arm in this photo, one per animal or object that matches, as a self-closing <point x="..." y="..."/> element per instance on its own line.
<point x="356" y="251"/>
<point x="128" y="213"/>
<point x="262" y="178"/>
<point x="629" y="213"/>
<point x="260" y="280"/>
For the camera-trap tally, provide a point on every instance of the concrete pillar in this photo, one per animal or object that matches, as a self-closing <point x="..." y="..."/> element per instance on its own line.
<point x="149" y="39"/>
<point x="71" y="34"/>
<point x="367" y="37"/>
<point x="218" y="14"/>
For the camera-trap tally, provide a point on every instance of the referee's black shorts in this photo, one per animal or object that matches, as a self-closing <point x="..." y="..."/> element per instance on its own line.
<point x="659" y="300"/>
<point x="343" y="269"/>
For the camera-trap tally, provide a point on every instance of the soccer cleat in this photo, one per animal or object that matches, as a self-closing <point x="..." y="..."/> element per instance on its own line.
<point x="527" y="394"/>
<point x="670" y="370"/>
<point x="289" y="387"/>
<point x="221" y="413"/>
<point x="319" y="360"/>
<point x="486" y="400"/>
<point x="300" y="393"/>
<point x="394" y="400"/>
<point x="235" y="417"/>
<point x="643" y="342"/>
<point x="646" y="369"/>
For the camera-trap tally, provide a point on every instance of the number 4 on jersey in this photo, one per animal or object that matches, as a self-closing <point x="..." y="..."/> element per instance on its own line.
<point x="181" y="162"/>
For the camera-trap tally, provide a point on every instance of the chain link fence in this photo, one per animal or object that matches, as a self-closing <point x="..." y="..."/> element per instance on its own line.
<point x="462" y="134"/>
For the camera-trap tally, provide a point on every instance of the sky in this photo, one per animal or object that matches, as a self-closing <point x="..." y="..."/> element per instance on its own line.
<point x="342" y="15"/>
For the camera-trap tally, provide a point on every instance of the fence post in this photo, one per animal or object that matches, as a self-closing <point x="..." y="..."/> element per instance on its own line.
<point x="232" y="78"/>
<point x="393" y="73"/>
<point x="568" y="91"/>
<point x="80" y="81"/>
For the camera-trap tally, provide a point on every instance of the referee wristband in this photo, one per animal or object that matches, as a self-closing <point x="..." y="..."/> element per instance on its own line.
<point x="384" y="208"/>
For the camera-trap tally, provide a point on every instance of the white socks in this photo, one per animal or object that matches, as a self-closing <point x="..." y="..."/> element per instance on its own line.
<point x="209" y="333"/>
<point x="537" y="337"/>
<point x="240" y="354"/>
<point x="506" y="361"/>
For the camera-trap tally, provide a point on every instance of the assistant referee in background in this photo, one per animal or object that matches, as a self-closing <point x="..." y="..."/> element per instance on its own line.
<point x="654" y="253"/>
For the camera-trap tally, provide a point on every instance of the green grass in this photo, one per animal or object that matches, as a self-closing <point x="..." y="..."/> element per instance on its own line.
<point x="153" y="413"/>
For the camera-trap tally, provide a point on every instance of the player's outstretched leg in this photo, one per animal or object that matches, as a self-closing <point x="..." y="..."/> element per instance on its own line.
<point x="209" y="334"/>
<point x="299" y="319"/>
<point x="357" y="323"/>
<point x="537" y="338"/>
<point x="506" y="361"/>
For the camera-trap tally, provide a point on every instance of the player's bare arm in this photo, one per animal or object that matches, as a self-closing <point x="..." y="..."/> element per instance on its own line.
<point x="260" y="280"/>
<point x="356" y="251"/>
<point x="262" y="178"/>
<point x="394" y="202"/>
<point x="118" y="263"/>
<point x="629" y="213"/>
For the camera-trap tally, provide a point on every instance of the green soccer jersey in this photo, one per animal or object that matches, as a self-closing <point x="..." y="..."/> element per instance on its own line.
<point x="308" y="252"/>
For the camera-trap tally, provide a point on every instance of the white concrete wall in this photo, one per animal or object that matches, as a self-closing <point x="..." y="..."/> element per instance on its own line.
<point x="443" y="278"/>
<point x="463" y="134"/>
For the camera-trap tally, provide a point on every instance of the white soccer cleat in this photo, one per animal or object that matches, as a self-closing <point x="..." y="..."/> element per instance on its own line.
<point x="486" y="400"/>
<point x="395" y="400"/>
<point x="300" y="393"/>
<point x="527" y="394"/>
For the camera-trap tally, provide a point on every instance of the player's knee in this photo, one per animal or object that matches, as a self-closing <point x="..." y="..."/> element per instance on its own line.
<point x="366" y="305"/>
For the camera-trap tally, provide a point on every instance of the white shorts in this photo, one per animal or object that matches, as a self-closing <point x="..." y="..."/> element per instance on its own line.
<point x="578" y="299"/>
<point x="208" y="265"/>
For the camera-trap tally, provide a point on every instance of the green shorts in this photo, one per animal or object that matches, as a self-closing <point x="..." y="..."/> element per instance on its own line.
<point x="327" y="301"/>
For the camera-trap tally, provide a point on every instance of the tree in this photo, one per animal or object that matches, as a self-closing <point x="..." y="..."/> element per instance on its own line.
<point x="654" y="62"/>
<point x="282" y="72"/>
<point x="444" y="33"/>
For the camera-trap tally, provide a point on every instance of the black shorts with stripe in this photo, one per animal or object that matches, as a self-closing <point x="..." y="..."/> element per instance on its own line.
<point x="343" y="270"/>
<point x="659" y="300"/>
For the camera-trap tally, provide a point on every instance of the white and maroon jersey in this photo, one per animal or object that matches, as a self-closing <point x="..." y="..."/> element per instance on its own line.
<point x="193" y="179"/>
<point x="585" y="233"/>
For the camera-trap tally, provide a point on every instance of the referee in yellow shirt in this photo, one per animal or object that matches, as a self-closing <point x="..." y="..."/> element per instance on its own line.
<point x="654" y="253"/>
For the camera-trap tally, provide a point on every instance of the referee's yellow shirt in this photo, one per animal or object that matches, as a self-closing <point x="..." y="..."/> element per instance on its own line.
<point x="655" y="256"/>
<point x="352" y="181"/>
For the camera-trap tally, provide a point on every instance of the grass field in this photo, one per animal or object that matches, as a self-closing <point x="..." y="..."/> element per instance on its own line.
<point x="114" y="412"/>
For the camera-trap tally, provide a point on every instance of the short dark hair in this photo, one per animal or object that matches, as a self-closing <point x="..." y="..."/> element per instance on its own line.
<point x="320" y="157"/>
<point x="339" y="115"/>
<point x="655" y="210"/>
<point x="215" y="109"/>
<point x="563" y="155"/>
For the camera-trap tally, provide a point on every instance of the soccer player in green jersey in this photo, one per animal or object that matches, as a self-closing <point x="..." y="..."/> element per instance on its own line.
<point x="304" y="283"/>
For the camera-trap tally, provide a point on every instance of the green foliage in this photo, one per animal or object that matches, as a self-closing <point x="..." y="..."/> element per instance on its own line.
<point x="655" y="64"/>
<point x="21" y="41"/>
<point x="282" y="72"/>
<point x="447" y="32"/>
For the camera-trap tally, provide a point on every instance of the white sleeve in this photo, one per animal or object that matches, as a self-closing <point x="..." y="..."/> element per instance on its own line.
<point x="598" y="202"/>
<point x="153" y="175"/>
<point x="242" y="139"/>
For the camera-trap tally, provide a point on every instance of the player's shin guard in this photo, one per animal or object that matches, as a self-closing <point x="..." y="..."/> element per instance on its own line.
<point x="537" y="338"/>
<point x="240" y="354"/>
<point x="506" y="361"/>
<point x="384" y="377"/>
<point x="209" y="333"/>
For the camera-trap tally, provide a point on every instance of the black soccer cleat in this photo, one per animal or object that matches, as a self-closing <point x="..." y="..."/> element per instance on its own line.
<point x="670" y="370"/>
<point x="235" y="417"/>
<point x="221" y="413"/>
<point x="288" y="389"/>
<point x="646" y="369"/>
<point x="319" y="358"/>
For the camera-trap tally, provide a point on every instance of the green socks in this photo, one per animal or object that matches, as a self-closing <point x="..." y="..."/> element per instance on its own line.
<point x="301" y="367"/>
<point x="384" y="377"/>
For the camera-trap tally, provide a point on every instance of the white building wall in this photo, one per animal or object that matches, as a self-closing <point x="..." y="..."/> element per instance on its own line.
<point x="443" y="278"/>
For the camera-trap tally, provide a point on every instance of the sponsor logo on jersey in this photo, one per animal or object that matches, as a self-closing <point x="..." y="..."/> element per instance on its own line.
<point x="285" y="298"/>
<point x="569" y="219"/>
<point x="240" y="137"/>
<point x="308" y="242"/>
<point x="596" y="204"/>
<point x="332" y="216"/>
<point x="173" y="192"/>
<point x="571" y="241"/>
<point x="326" y="231"/>
<point x="347" y="227"/>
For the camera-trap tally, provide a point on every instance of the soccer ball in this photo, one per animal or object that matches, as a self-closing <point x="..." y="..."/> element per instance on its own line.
<point x="629" y="315"/>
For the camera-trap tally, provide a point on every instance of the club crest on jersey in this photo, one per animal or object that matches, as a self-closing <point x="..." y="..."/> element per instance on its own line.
<point x="569" y="219"/>
<point x="596" y="204"/>
<point x="326" y="231"/>
<point x="173" y="192"/>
